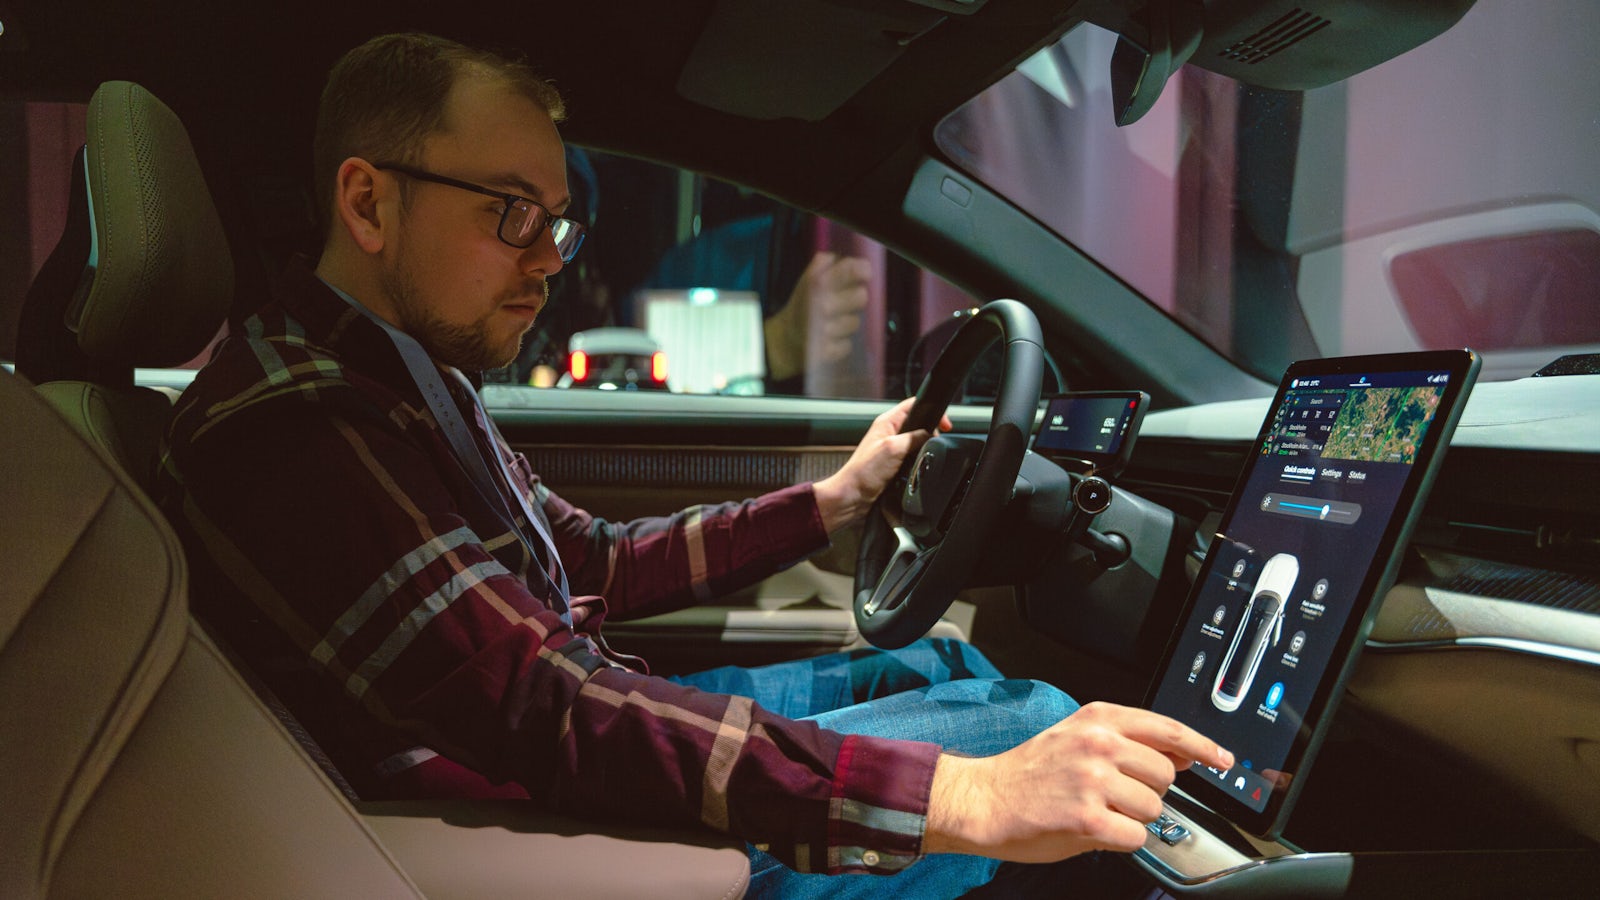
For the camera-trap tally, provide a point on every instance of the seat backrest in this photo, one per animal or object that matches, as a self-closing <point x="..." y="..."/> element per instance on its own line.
<point x="136" y="762"/>
<point x="133" y="759"/>
<point x="142" y="276"/>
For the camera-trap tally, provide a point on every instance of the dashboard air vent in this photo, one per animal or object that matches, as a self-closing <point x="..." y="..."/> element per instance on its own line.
<point x="1291" y="28"/>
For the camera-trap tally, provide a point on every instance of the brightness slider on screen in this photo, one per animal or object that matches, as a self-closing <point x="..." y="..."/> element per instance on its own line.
<point x="1336" y="511"/>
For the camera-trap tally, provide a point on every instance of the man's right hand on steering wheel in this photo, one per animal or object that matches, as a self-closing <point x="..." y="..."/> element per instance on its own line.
<point x="844" y="497"/>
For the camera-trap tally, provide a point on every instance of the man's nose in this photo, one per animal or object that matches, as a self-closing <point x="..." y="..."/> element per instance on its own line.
<point x="542" y="257"/>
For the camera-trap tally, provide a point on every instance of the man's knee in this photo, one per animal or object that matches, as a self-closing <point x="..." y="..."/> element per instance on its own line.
<point x="1039" y="703"/>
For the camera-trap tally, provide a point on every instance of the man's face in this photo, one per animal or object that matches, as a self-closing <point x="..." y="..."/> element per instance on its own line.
<point x="464" y="294"/>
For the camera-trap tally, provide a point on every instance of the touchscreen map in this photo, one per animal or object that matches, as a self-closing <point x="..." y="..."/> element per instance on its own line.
<point x="1372" y="424"/>
<point x="1285" y="576"/>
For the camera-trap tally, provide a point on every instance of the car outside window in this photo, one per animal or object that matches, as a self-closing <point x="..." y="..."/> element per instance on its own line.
<point x="739" y="293"/>
<point x="1444" y="198"/>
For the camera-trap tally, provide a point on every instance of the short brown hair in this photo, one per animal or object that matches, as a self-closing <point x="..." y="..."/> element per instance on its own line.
<point x="386" y="96"/>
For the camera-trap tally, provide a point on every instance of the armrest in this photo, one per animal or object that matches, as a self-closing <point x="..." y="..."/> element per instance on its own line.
<point x="503" y="848"/>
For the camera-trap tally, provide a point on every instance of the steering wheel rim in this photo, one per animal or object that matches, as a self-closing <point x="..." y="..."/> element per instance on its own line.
<point x="908" y="574"/>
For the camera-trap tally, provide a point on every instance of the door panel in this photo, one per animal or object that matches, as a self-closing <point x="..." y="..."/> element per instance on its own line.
<point x="623" y="456"/>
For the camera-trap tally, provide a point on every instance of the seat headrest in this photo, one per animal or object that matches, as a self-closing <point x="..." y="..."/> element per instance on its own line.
<point x="162" y="275"/>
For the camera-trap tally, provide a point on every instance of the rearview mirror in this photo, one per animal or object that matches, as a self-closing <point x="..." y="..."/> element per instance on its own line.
<point x="1156" y="42"/>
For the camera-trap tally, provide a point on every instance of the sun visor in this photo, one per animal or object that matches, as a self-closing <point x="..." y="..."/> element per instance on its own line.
<point x="802" y="59"/>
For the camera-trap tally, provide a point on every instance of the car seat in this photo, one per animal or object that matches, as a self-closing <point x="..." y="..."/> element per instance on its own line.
<point x="135" y="758"/>
<point x="135" y="761"/>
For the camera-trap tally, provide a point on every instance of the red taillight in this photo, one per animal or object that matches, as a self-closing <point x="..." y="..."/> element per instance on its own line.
<point x="580" y="365"/>
<point x="658" y="365"/>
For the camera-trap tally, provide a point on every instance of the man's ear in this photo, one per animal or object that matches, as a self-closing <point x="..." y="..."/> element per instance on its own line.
<point x="365" y="203"/>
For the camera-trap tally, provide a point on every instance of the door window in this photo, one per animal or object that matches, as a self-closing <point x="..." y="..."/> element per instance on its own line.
<point x="723" y="291"/>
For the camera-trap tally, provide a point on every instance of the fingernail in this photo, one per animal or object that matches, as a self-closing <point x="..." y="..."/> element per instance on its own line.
<point x="1227" y="759"/>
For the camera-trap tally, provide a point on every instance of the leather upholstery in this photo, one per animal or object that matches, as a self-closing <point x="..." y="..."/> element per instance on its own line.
<point x="133" y="760"/>
<point x="136" y="762"/>
<point x="507" y="848"/>
<point x="126" y="421"/>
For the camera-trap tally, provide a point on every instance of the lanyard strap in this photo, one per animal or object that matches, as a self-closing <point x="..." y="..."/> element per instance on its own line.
<point x="532" y="514"/>
<point x="427" y="378"/>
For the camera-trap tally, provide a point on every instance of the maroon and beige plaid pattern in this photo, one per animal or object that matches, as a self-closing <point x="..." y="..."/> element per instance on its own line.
<point x="341" y="550"/>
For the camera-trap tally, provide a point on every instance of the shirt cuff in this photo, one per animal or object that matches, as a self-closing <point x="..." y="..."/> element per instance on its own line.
<point x="796" y="523"/>
<point x="879" y="809"/>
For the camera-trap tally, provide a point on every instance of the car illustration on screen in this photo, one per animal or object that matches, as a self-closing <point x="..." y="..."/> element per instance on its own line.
<point x="1261" y="626"/>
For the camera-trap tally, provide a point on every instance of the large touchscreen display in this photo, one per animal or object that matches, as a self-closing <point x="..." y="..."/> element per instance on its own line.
<point x="1310" y="537"/>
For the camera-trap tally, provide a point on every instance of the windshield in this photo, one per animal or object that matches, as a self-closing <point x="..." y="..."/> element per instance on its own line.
<point x="1446" y="198"/>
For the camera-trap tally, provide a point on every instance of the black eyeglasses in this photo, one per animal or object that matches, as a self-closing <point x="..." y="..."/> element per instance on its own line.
<point x="522" y="220"/>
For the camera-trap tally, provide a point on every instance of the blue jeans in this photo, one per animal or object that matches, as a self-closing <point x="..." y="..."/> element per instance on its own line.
<point x="937" y="690"/>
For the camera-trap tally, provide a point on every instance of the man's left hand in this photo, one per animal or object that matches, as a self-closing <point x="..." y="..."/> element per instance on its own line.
<point x="845" y="496"/>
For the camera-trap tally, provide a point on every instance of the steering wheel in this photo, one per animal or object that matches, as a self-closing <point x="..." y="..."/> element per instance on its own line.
<point x="922" y="540"/>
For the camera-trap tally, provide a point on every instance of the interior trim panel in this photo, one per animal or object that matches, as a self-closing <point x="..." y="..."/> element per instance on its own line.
<point x="656" y="466"/>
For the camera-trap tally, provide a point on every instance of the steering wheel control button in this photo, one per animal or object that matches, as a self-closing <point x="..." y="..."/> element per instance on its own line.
<point x="923" y="469"/>
<point x="922" y="472"/>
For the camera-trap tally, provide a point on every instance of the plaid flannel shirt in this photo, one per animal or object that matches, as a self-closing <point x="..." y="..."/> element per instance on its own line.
<point x="338" y="546"/>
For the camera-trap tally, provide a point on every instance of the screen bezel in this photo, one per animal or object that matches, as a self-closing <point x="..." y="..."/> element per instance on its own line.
<point x="1462" y="366"/>
<point x="1107" y="465"/>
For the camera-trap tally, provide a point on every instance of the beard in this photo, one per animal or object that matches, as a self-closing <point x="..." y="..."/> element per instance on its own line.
<point x="473" y="346"/>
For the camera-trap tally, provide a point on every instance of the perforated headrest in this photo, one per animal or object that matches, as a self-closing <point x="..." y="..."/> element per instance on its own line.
<point x="162" y="274"/>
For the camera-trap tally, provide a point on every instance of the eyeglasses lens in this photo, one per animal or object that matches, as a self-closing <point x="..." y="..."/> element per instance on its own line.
<point x="569" y="237"/>
<point x="523" y="223"/>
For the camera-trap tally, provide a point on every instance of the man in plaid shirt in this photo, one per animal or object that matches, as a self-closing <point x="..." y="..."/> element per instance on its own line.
<point x="365" y="538"/>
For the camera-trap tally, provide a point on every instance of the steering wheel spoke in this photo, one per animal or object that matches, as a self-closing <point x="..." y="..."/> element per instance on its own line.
<point x="907" y="562"/>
